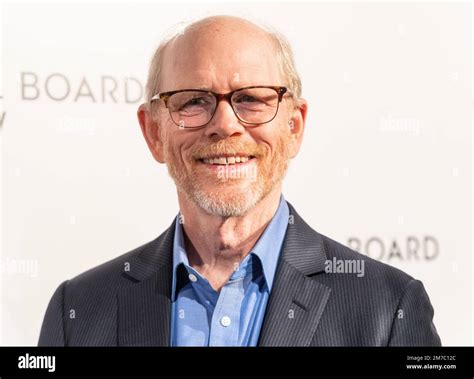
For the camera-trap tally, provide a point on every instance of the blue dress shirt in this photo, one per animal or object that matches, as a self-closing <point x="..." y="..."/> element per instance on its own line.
<point x="201" y="316"/>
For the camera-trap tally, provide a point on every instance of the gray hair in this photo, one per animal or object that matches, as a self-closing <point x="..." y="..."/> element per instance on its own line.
<point x="284" y="56"/>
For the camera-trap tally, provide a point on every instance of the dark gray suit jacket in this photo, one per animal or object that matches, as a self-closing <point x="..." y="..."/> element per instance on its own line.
<point x="126" y="302"/>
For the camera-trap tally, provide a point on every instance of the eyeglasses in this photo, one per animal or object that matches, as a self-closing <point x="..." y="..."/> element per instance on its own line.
<point x="194" y="108"/>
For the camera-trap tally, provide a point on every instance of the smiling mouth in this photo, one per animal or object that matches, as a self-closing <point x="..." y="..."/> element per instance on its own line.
<point x="226" y="159"/>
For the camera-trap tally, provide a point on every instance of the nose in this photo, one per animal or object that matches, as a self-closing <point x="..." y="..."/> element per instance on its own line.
<point x="224" y="123"/>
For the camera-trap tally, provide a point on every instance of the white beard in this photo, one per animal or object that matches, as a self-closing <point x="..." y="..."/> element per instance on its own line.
<point x="237" y="206"/>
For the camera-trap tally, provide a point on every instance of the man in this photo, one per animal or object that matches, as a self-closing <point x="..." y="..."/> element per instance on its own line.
<point x="238" y="266"/>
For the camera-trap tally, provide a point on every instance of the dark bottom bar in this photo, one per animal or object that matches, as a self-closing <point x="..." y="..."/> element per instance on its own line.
<point x="454" y="362"/>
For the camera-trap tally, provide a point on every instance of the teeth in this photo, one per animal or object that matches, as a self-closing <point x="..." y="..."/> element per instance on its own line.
<point x="226" y="160"/>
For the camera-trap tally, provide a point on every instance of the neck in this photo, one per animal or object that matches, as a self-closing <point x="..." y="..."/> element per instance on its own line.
<point x="216" y="245"/>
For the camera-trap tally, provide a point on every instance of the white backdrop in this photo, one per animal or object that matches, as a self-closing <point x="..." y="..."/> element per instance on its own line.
<point x="385" y="166"/>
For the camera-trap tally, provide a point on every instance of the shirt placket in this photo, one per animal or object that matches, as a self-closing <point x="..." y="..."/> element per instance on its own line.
<point x="225" y="323"/>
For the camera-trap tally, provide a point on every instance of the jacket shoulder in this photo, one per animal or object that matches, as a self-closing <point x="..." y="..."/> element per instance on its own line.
<point x="108" y="272"/>
<point x="373" y="270"/>
<point x="82" y="311"/>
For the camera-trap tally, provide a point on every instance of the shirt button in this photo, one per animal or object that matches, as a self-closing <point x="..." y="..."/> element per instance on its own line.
<point x="225" y="321"/>
<point x="192" y="278"/>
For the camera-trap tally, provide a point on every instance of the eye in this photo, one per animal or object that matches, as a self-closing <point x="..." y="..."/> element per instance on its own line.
<point x="196" y="101"/>
<point x="247" y="99"/>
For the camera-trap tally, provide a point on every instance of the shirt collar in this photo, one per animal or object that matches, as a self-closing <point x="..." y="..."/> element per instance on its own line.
<point x="267" y="248"/>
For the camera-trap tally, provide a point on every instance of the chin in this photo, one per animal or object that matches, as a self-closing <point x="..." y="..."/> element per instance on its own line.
<point x="228" y="203"/>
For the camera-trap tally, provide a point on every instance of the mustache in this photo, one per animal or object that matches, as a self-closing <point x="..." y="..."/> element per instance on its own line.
<point x="226" y="147"/>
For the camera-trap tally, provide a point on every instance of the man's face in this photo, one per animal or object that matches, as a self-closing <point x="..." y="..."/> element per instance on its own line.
<point x="221" y="60"/>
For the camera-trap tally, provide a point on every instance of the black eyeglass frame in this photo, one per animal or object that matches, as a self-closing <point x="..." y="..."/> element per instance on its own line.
<point x="164" y="96"/>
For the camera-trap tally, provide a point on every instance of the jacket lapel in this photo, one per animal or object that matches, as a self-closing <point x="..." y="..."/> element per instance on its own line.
<point x="144" y="307"/>
<point x="297" y="301"/>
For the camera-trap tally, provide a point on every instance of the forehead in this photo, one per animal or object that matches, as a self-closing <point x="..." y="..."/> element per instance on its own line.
<point x="220" y="57"/>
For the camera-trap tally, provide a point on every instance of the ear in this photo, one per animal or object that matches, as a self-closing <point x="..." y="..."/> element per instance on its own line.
<point x="297" y="123"/>
<point x="151" y="132"/>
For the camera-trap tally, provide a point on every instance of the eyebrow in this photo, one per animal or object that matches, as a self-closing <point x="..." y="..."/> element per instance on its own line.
<point x="181" y="88"/>
<point x="232" y="88"/>
<point x="203" y="88"/>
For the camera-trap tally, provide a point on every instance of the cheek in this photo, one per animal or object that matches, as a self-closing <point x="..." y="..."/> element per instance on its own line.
<point x="275" y="138"/>
<point x="180" y="150"/>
